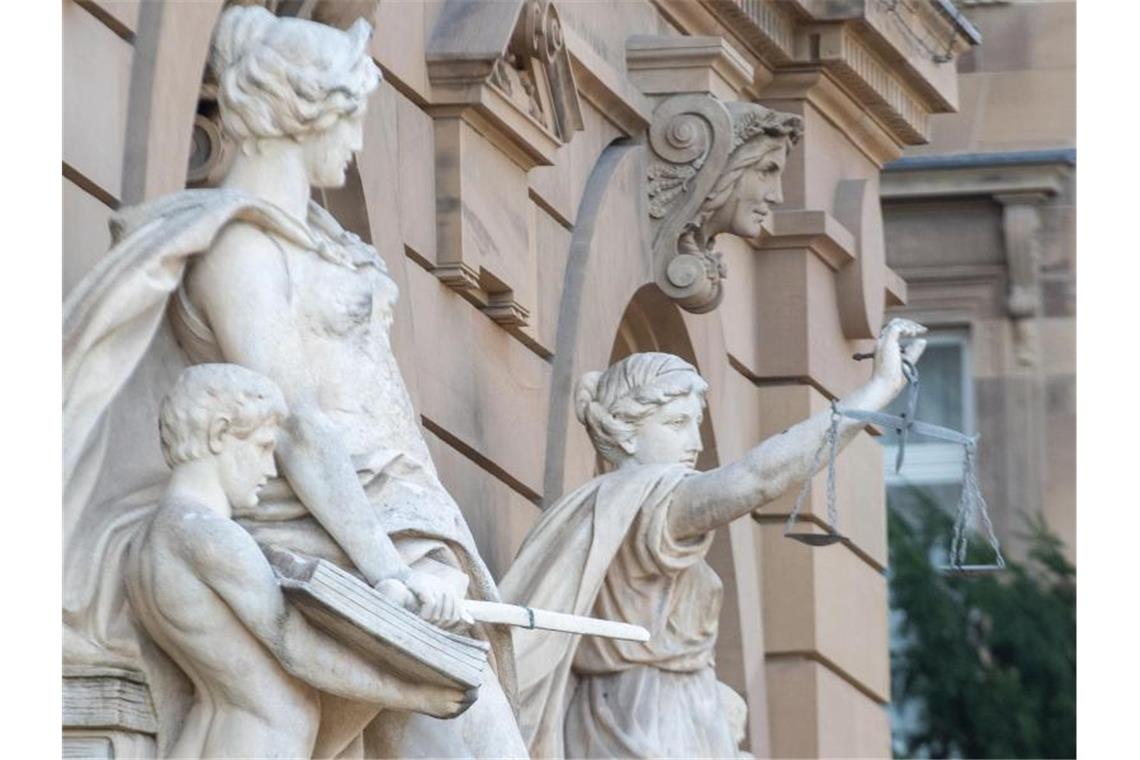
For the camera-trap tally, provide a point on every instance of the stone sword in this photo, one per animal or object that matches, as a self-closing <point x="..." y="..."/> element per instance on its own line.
<point x="530" y="617"/>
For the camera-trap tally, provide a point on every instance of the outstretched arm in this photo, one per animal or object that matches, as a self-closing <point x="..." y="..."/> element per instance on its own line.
<point x="711" y="499"/>
<point x="228" y="560"/>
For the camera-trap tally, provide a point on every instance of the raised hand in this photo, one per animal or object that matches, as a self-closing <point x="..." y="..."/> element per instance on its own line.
<point x="889" y="355"/>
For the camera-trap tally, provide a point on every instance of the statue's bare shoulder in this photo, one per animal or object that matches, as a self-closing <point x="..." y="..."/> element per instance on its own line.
<point x="244" y="257"/>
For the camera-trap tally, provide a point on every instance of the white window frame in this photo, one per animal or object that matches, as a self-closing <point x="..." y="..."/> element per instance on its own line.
<point x="929" y="461"/>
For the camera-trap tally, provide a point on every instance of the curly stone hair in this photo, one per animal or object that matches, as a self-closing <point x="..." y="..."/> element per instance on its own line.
<point x="203" y="393"/>
<point x="286" y="77"/>
<point x="756" y="131"/>
<point x="613" y="403"/>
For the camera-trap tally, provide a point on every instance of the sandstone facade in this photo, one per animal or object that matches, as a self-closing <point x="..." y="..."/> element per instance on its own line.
<point x="505" y="185"/>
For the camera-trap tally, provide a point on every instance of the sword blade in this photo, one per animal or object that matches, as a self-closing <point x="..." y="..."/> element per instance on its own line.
<point x="529" y="617"/>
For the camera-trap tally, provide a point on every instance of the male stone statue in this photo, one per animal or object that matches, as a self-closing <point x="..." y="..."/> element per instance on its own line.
<point x="205" y="593"/>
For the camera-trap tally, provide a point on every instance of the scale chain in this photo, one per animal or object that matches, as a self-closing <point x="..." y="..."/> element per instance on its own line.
<point x="970" y="500"/>
<point x="830" y="443"/>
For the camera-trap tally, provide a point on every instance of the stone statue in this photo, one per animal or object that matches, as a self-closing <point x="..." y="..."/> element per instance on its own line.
<point x="255" y="274"/>
<point x="630" y="545"/>
<point x="715" y="167"/>
<point x="201" y="587"/>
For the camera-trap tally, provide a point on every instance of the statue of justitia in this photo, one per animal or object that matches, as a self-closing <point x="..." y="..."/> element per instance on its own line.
<point x="253" y="273"/>
<point x="630" y="545"/>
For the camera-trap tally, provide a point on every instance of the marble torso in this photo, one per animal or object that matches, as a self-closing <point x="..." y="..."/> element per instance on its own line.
<point x="341" y="298"/>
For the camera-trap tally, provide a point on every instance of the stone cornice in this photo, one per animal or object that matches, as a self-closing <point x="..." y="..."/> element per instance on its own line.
<point x="896" y="64"/>
<point x="672" y="65"/>
<point x="768" y="28"/>
<point x="816" y="230"/>
<point x="992" y="179"/>
<point x="836" y="103"/>
<point x="875" y="84"/>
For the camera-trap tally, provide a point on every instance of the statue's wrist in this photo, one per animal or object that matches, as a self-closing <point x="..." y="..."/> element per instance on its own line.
<point x="402" y="573"/>
<point x="881" y="391"/>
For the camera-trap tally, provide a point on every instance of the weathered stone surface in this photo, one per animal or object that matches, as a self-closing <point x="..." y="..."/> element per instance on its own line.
<point x="287" y="290"/>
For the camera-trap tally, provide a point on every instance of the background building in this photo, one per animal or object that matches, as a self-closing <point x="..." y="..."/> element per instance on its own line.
<point x="981" y="223"/>
<point x="511" y="209"/>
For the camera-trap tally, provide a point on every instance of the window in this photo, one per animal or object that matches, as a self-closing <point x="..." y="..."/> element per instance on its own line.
<point x="945" y="398"/>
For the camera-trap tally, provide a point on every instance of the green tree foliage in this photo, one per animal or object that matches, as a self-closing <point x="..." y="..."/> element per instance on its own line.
<point x="985" y="666"/>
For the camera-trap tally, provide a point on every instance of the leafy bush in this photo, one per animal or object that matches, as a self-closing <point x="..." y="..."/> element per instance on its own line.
<point x="984" y="666"/>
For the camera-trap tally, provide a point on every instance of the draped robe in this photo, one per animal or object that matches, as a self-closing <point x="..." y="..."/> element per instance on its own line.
<point x="120" y="359"/>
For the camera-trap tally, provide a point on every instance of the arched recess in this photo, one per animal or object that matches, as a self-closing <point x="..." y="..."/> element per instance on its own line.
<point x="610" y="308"/>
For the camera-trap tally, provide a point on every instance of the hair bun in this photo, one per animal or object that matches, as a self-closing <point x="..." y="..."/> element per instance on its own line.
<point x="585" y="394"/>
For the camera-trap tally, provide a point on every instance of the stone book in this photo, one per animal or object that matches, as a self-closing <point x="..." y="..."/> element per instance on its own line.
<point x="354" y="613"/>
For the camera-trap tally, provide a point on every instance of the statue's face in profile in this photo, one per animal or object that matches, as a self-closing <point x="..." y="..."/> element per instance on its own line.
<point x="759" y="188"/>
<point x="329" y="152"/>
<point x="246" y="464"/>
<point x="672" y="434"/>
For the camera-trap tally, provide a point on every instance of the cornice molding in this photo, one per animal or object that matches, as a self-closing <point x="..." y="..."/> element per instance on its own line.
<point x="671" y="65"/>
<point x="994" y="180"/>
<point x="768" y="28"/>
<point x="862" y="46"/>
<point x="835" y="102"/>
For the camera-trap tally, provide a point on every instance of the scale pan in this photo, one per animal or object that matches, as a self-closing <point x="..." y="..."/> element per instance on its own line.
<point x="816" y="539"/>
<point x="967" y="571"/>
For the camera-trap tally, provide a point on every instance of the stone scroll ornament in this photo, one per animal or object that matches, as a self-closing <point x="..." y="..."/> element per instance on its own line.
<point x="714" y="167"/>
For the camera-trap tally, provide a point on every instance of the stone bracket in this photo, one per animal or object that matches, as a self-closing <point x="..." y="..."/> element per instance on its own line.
<point x="482" y="234"/>
<point x="1021" y="225"/>
<point x="504" y="66"/>
<point x="860" y="286"/>
<point x="689" y="142"/>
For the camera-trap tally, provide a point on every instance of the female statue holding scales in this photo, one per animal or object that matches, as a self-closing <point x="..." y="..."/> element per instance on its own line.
<point x="630" y="545"/>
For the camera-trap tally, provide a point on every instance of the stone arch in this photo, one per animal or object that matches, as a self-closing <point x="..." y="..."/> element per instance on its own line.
<point x="171" y="49"/>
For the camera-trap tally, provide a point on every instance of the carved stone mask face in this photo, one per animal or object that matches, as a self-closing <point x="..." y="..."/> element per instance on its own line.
<point x="329" y="152"/>
<point x="245" y="464"/>
<point x="759" y="188"/>
<point x="671" y="435"/>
